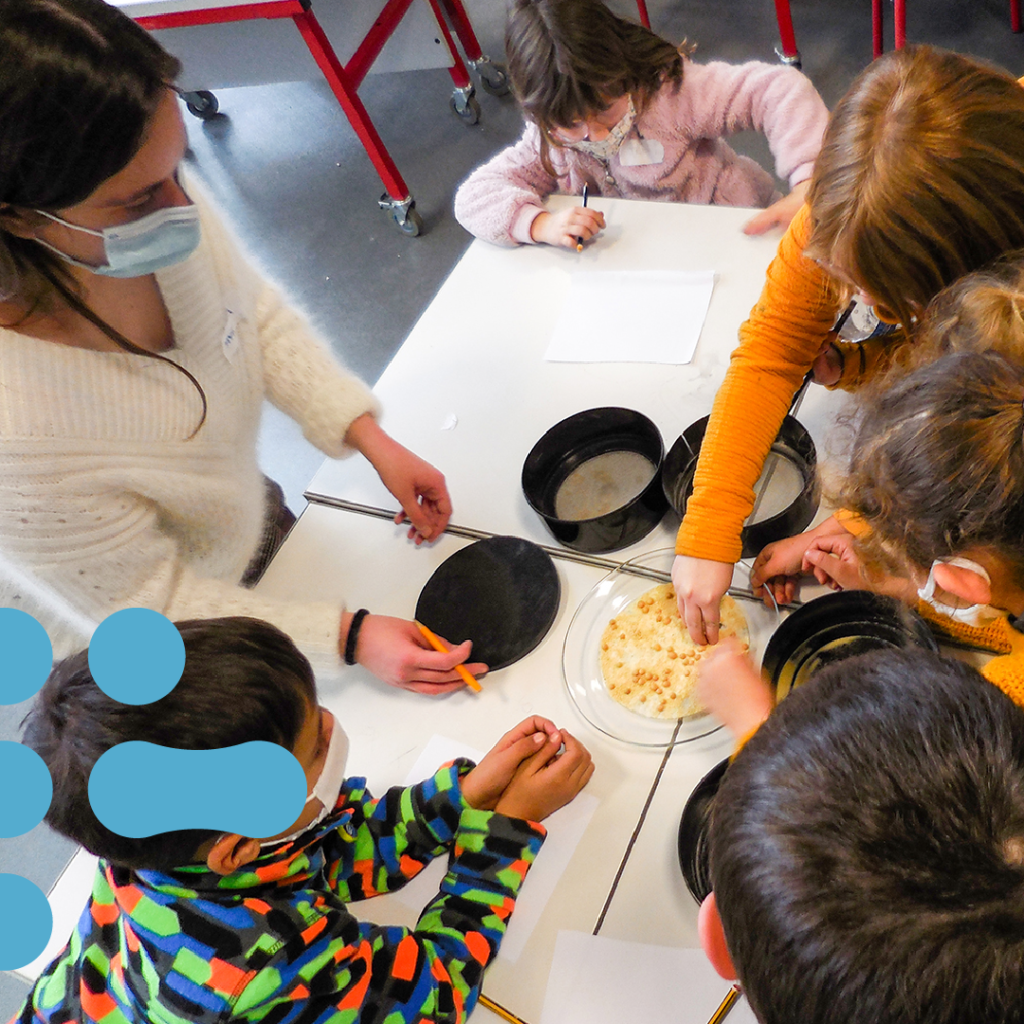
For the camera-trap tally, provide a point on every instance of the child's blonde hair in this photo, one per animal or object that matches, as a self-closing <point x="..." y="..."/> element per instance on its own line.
<point x="570" y="58"/>
<point x="920" y="178"/>
<point x="937" y="468"/>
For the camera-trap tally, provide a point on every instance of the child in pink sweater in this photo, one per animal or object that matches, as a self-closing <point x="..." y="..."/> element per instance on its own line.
<point x="614" y="107"/>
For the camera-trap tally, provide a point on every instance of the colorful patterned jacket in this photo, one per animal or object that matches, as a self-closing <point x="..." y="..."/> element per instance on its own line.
<point x="274" y="942"/>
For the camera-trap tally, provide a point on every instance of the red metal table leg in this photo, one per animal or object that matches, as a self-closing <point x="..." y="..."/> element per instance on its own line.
<point x="787" y="36"/>
<point x="899" y="21"/>
<point x="876" y="29"/>
<point x="1015" y="15"/>
<point x="463" y="29"/>
<point x="641" y="9"/>
<point x="460" y="76"/>
<point x="326" y="59"/>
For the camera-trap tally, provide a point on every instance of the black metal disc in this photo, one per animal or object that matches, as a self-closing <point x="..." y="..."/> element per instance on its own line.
<point x="692" y="841"/>
<point x="502" y="593"/>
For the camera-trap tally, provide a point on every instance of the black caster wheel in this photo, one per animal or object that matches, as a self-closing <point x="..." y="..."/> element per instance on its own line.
<point x="466" y="107"/>
<point x="411" y="224"/>
<point x="201" y="104"/>
<point x="493" y="78"/>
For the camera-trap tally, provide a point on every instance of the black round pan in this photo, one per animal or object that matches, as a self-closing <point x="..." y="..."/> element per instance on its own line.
<point x="793" y="443"/>
<point x="692" y="843"/>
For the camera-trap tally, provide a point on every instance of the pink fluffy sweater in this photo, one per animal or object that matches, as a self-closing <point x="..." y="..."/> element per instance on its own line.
<point x="500" y="200"/>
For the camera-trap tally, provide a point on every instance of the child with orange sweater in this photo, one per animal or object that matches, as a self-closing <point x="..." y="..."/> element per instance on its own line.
<point x="920" y="180"/>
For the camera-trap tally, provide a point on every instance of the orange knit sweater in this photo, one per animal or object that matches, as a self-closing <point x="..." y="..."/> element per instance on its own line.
<point x="778" y="343"/>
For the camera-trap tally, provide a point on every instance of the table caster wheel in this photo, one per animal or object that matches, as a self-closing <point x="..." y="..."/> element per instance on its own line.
<point x="493" y="77"/>
<point x="201" y="104"/>
<point x="466" y="105"/>
<point x="411" y="224"/>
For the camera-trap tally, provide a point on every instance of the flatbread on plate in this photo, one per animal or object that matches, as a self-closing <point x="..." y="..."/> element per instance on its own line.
<point x="648" y="660"/>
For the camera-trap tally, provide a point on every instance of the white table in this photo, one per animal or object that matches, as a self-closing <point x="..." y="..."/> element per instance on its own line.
<point x="476" y="355"/>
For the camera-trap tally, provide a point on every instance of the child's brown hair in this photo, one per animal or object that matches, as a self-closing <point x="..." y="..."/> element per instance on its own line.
<point x="920" y="178"/>
<point x="570" y="58"/>
<point x="937" y="467"/>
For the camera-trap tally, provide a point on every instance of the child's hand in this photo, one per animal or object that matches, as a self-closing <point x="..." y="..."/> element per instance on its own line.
<point x="482" y="787"/>
<point x="834" y="563"/>
<point x="547" y="780"/>
<point x="779" y="214"/>
<point x="732" y="689"/>
<point x="779" y="565"/>
<point x="395" y="651"/>
<point x="567" y="227"/>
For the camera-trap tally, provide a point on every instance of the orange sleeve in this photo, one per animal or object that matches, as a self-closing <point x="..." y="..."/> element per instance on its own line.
<point x="778" y="344"/>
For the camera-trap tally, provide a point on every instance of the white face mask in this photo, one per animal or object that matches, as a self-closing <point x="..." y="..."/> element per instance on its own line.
<point x="609" y="146"/>
<point x="328" y="785"/>
<point x="975" y="614"/>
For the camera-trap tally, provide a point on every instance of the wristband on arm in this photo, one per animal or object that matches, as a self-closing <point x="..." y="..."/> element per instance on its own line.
<point x="353" y="635"/>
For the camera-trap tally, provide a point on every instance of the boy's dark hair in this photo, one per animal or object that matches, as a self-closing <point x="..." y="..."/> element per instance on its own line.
<point x="243" y="680"/>
<point x="867" y="849"/>
<point x="569" y="58"/>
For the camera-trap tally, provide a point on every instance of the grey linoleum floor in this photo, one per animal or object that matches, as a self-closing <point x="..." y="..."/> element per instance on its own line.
<point x="290" y="172"/>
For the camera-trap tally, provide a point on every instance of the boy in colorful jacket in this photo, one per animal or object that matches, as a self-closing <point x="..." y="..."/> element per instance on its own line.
<point x="200" y="926"/>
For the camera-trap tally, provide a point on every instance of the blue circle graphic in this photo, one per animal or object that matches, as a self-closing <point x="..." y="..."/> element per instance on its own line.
<point x="28" y="920"/>
<point x="27" y="656"/>
<point x="136" y="656"/>
<point x="28" y="790"/>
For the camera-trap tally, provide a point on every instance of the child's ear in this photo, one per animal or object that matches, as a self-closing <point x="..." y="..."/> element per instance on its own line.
<point x="712" y="938"/>
<point x="231" y="852"/>
<point x="964" y="583"/>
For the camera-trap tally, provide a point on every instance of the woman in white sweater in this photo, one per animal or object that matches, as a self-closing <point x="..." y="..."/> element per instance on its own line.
<point x="137" y="345"/>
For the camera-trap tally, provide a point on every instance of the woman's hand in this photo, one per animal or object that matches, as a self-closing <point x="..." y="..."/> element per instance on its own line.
<point x="547" y="780"/>
<point x="395" y="651"/>
<point x="418" y="486"/>
<point x="567" y="227"/>
<point x="732" y="689"/>
<point x="779" y="214"/>
<point x="700" y="585"/>
<point x="484" y="785"/>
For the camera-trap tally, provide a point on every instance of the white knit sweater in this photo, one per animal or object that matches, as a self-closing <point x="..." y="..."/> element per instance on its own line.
<point x="105" y="502"/>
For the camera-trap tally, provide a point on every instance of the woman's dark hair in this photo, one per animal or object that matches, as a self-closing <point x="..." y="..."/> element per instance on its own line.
<point x="243" y="680"/>
<point x="570" y="58"/>
<point x="79" y="84"/>
<point x="867" y="848"/>
<point x="937" y="466"/>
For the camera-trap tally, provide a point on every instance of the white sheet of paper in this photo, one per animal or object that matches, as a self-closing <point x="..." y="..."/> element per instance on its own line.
<point x="565" y="829"/>
<point x="597" y="980"/>
<point x="631" y="316"/>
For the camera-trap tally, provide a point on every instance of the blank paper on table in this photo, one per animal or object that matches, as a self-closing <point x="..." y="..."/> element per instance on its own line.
<point x="631" y="316"/>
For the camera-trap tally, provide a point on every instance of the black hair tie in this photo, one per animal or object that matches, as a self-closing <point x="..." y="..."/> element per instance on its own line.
<point x="353" y="635"/>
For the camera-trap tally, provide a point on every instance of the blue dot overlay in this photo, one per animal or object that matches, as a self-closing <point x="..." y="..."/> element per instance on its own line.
<point x="136" y="656"/>
<point x="27" y="789"/>
<point x="136" y="789"/>
<point x="142" y="789"/>
<point x="27" y="656"/>
<point x="24" y="903"/>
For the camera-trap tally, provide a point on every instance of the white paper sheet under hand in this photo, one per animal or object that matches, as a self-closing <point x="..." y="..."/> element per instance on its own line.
<point x="631" y="316"/>
<point x="565" y="829"/>
<point x="597" y="980"/>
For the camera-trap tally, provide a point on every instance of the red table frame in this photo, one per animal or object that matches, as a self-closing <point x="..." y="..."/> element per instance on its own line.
<point x="345" y="79"/>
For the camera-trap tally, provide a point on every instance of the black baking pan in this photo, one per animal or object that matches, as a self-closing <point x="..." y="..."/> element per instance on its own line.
<point x="692" y="843"/>
<point x="839" y="626"/>
<point x="794" y="444"/>
<point x="502" y="593"/>
<point x="594" y="479"/>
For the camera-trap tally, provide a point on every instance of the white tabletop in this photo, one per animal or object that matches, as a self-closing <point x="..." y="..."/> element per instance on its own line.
<point x="476" y="359"/>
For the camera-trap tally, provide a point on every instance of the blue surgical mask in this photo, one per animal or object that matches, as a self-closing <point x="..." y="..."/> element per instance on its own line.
<point x="160" y="239"/>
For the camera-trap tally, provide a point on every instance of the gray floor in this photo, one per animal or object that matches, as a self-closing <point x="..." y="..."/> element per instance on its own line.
<point x="289" y="170"/>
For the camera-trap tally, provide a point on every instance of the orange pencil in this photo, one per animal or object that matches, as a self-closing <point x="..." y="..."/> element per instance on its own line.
<point x="434" y="642"/>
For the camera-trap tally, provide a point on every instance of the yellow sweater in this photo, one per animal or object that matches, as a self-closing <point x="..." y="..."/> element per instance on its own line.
<point x="778" y="343"/>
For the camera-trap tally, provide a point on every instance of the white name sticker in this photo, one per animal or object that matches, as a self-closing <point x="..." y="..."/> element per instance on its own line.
<point x="229" y="342"/>
<point x="640" y="152"/>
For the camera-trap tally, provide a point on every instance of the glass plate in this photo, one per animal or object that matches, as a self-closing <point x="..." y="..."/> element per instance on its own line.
<point x="581" y="652"/>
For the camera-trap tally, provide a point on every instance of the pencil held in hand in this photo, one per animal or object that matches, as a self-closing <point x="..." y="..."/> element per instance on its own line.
<point x="579" y="241"/>
<point x="435" y="642"/>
